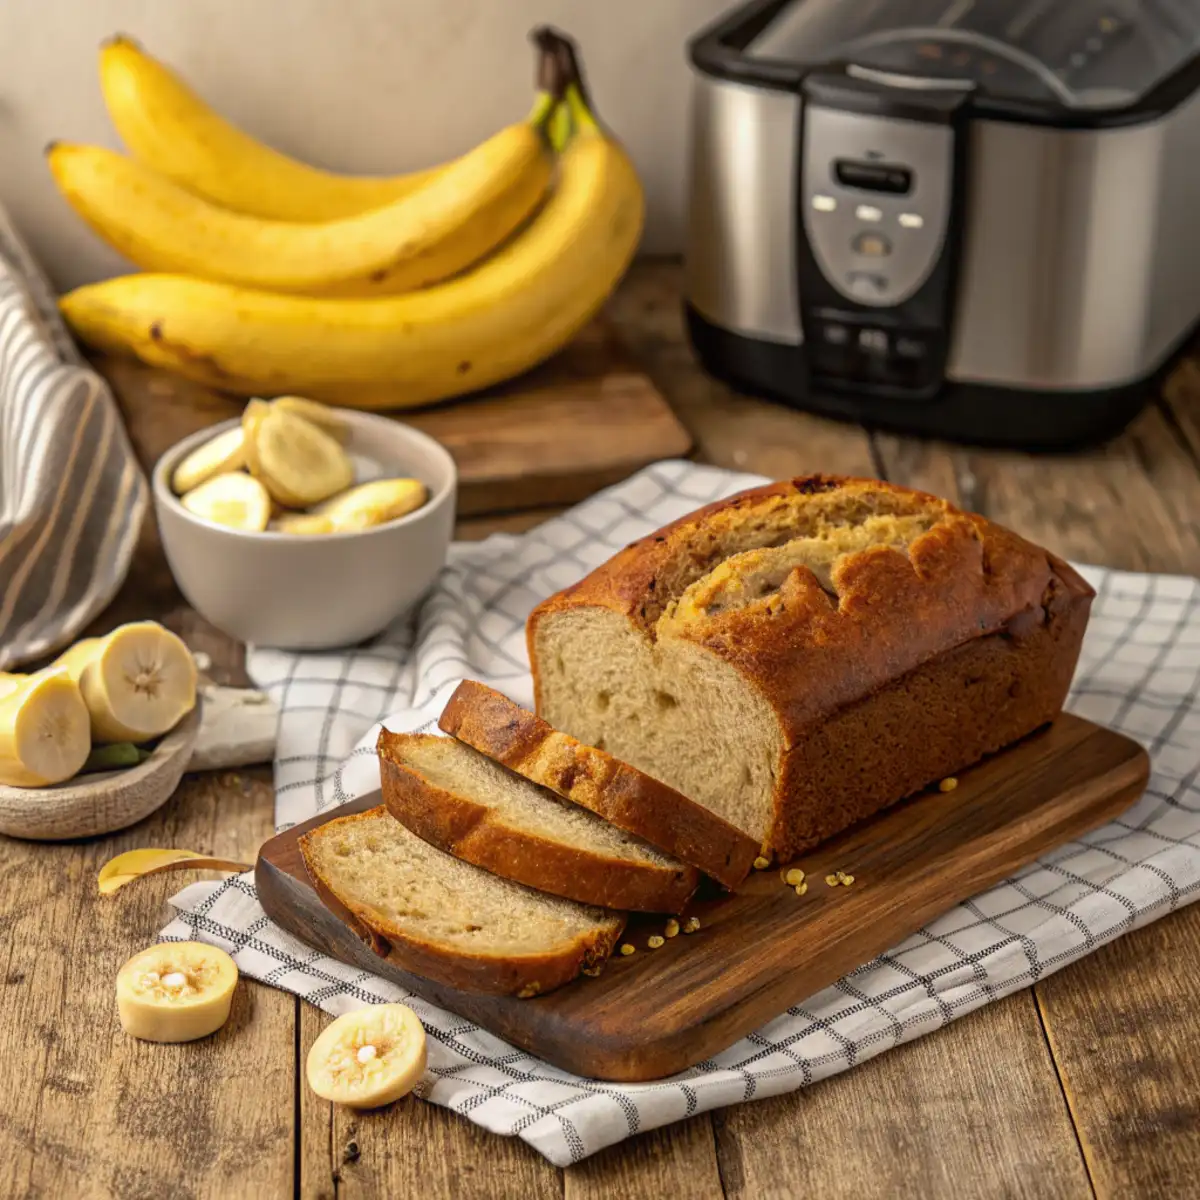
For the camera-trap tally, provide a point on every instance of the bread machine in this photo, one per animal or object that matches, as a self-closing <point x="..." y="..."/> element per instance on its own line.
<point x="973" y="219"/>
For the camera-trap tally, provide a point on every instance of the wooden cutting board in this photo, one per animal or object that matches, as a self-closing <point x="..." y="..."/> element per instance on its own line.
<point x="587" y="418"/>
<point x="765" y="949"/>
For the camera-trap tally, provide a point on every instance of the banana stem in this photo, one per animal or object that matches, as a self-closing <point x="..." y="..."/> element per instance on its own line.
<point x="561" y="127"/>
<point x="544" y="106"/>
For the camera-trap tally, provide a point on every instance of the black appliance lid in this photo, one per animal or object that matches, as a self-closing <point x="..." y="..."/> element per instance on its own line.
<point x="1073" y="61"/>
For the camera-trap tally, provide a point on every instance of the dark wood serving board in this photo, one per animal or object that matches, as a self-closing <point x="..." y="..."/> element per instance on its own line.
<point x="764" y="949"/>
<point x="587" y="418"/>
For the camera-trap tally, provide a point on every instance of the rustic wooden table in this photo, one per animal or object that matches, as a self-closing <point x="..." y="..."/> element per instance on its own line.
<point x="1087" y="1083"/>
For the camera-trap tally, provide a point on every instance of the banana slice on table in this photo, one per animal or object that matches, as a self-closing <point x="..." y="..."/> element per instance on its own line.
<point x="141" y="683"/>
<point x="237" y="500"/>
<point x="321" y="415"/>
<point x="368" y="1058"/>
<point x="297" y="462"/>
<point x="176" y="992"/>
<point x="373" y="503"/>
<point x="223" y="453"/>
<point x="44" y="736"/>
<point x="302" y="523"/>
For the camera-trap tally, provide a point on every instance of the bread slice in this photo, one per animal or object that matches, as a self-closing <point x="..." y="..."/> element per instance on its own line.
<point x="593" y="778"/>
<point x="479" y="811"/>
<point x="429" y="913"/>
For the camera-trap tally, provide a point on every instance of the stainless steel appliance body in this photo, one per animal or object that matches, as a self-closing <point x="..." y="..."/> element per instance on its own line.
<point x="964" y="218"/>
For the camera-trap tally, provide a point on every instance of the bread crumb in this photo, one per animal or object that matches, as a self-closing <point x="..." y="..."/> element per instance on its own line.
<point x="691" y="925"/>
<point x="832" y="880"/>
<point x="672" y="928"/>
<point x="801" y="888"/>
<point x="592" y="971"/>
<point x="794" y="876"/>
<point x="847" y="880"/>
<point x="948" y="785"/>
<point x="761" y="864"/>
<point x="626" y="948"/>
<point x="655" y="941"/>
<point x="529" y="990"/>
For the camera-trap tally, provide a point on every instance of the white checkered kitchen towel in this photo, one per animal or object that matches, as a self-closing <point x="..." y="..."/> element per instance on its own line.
<point x="1139" y="673"/>
<point x="72" y="496"/>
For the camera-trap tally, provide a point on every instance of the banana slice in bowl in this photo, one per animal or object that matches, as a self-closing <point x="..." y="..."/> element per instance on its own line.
<point x="297" y="462"/>
<point x="226" y="452"/>
<point x="234" y="499"/>
<point x="176" y="992"/>
<point x="368" y="1058"/>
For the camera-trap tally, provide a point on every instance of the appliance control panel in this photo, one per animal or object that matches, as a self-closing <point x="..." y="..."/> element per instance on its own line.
<point x="876" y="196"/>
<point x="855" y="350"/>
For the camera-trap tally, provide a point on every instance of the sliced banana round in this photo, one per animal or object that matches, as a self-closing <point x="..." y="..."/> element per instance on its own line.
<point x="321" y="415"/>
<point x="368" y="1058"/>
<point x="223" y="453"/>
<point x="236" y="500"/>
<point x="298" y="463"/>
<point x="306" y="524"/>
<point x="140" y="684"/>
<point x="44" y="735"/>
<point x="373" y="503"/>
<point x="176" y="992"/>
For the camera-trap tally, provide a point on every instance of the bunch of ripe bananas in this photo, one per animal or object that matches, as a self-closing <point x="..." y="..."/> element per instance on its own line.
<point x="265" y="275"/>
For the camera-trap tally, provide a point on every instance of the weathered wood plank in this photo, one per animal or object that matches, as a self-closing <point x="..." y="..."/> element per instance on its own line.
<point x="89" y="1111"/>
<point x="408" y="1149"/>
<point x="677" y="1162"/>
<point x="1131" y="504"/>
<point x="729" y="429"/>
<point x="972" y="1111"/>
<point x="1119" y="1022"/>
<point x="1124" y="1028"/>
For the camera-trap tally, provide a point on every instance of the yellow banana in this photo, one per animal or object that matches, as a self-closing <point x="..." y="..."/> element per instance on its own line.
<point x="170" y="129"/>
<point x="516" y="309"/>
<point x="446" y="226"/>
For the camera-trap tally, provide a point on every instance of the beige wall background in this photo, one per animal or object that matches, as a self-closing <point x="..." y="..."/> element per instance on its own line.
<point x="353" y="85"/>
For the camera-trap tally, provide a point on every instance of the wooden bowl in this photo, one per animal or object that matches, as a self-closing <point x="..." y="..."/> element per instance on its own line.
<point x="103" y="802"/>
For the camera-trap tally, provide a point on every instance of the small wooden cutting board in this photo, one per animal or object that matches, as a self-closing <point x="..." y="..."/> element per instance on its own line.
<point x="587" y="418"/>
<point x="764" y="949"/>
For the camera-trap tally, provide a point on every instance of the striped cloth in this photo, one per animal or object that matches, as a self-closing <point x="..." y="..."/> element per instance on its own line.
<point x="72" y="497"/>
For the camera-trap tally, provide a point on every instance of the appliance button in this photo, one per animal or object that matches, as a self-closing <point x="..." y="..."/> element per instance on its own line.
<point x="873" y="341"/>
<point x="871" y="244"/>
<point x="868" y="212"/>
<point x="911" y="220"/>
<point x="867" y="283"/>
<point x="824" y="203"/>
<point x="911" y="348"/>
<point x="834" y="334"/>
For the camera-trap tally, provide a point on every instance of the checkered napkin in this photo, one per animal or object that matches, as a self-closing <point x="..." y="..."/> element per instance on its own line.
<point x="72" y="496"/>
<point x="1140" y="673"/>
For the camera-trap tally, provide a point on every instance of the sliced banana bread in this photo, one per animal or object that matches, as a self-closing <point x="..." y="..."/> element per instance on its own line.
<point x="800" y="655"/>
<point x="441" y="918"/>
<point x="462" y="802"/>
<point x="593" y="778"/>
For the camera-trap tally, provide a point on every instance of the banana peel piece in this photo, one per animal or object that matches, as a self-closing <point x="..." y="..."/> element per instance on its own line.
<point x="134" y="864"/>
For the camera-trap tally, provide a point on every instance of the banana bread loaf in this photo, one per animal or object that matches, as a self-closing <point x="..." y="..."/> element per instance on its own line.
<point x="801" y="655"/>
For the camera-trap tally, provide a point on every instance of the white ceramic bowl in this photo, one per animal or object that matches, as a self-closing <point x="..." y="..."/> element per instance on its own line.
<point x="310" y="592"/>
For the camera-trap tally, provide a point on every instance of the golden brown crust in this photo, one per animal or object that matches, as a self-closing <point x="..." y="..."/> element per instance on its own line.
<point x="527" y="975"/>
<point x="478" y="834"/>
<point x="813" y="653"/>
<point x="594" y="779"/>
